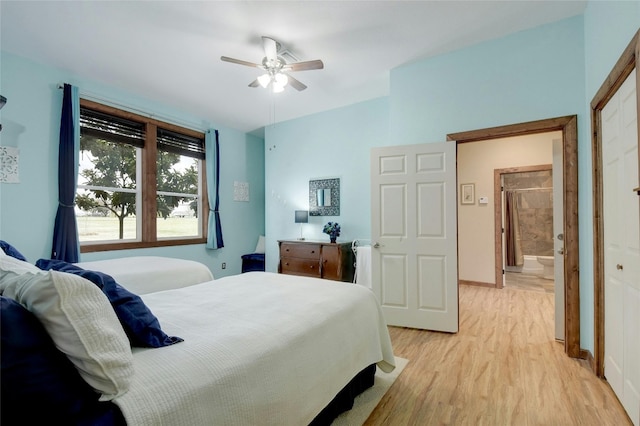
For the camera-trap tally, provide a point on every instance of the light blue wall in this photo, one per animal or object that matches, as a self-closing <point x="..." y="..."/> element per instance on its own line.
<point x="326" y="145"/>
<point x="526" y="76"/>
<point x="608" y="29"/>
<point x="550" y="71"/>
<point x="31" y="120"/>
<point x="531" y="75"/>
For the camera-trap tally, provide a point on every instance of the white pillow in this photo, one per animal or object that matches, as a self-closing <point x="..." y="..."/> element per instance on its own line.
<point x="9" y="263"/>
<point x="260" y="245"/>
<point x="81" y="322"/>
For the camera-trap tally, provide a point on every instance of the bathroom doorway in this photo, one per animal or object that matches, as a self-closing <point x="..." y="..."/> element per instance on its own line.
<point x="525" y="211"/>
<point x="529" y="213"/>
<point x="568" y="127"/>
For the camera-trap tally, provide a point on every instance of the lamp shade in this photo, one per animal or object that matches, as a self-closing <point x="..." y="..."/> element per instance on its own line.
<point x="302" y="216"/>
<point x="264" y="80"/>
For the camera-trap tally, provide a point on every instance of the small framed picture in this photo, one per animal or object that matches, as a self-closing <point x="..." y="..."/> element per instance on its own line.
<point x="467" y="193"/>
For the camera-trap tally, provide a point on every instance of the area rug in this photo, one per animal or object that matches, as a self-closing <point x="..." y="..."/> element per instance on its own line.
<point x="368" y="400"/>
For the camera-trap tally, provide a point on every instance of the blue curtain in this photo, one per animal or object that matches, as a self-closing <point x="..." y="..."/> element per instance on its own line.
<point x="65" y="231"/>
<point x="212" y="152"/>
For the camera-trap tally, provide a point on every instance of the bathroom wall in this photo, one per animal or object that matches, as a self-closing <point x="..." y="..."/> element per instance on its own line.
<point x="476" y="222"/>
<point x="535" y="212"/>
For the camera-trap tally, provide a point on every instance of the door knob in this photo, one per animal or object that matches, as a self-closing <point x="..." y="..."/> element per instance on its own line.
<point x="619" y="267"/>
<point x="376" y="245"/>
<point x="561" y="250"/>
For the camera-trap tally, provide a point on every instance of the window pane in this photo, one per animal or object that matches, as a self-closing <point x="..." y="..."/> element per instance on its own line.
<point x="177" y="173"/>
<point x="178" y="196"/>
<point x="106" y="197"/>
<point x="100" y="223"/>
<point x="181" y="222"/>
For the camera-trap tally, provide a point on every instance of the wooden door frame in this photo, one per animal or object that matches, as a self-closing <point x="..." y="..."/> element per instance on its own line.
<point x="569" y="127"/>
<point x="497" y="197"/>
<point x="628" y="61"/>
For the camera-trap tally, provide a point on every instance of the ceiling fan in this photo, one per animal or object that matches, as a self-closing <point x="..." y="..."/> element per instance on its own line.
<point x="277" y="68"/>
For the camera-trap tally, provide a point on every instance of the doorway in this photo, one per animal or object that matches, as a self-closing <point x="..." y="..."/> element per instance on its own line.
<point x="568" y="126"/>
<point x="536" y="234"/>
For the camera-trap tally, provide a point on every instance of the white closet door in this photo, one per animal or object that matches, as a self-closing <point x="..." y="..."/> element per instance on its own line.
<point x="622" y="247"/>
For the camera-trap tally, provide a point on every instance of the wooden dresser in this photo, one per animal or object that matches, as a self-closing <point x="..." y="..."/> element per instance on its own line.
<point x="331" y="261"/>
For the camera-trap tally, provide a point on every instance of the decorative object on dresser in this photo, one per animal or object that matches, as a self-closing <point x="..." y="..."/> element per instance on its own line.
<point x="301" y="216"/>
<point x="317" y="259"/>
<point x="333" y="230"/>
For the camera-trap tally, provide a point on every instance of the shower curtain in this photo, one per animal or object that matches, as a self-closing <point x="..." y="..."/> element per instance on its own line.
<point x="512" y="230"/>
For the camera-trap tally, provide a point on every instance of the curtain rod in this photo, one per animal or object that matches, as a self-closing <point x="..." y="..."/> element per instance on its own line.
<point x="176" y="121"/>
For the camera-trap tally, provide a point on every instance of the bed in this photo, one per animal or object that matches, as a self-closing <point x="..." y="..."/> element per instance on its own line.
<point x="148" y="274"/>
<point x="257" y="348"/>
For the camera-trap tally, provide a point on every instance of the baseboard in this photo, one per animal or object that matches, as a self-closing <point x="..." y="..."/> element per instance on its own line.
<point x="476" y="283"/>
<point x="586" y="355"/>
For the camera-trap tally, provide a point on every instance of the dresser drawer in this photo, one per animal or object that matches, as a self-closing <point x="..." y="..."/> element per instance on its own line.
<point x="303" y="251"/>
<point x="298" y="266"/>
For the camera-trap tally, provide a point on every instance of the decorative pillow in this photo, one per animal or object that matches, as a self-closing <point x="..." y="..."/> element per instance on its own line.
<point x="9" y="263"/>
<point x="139" y="323"/>
<point x="39" y="383"/>
<point x="11" y="251"/>
<point x="80" y="321"/>
<point x="260" y="245"/>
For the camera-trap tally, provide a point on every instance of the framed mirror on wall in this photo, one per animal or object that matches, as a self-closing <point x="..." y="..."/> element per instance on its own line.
<point x="324" y="197"/>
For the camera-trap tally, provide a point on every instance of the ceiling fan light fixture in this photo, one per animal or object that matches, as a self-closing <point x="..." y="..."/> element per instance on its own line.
<point x="264" y="80"/>
<point x="277" y="67"/>
<point x="281" y="79"/>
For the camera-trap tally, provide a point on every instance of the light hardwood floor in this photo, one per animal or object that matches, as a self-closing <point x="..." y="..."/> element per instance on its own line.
<point x="528" y="282"/>
<point x="502" y="368"/>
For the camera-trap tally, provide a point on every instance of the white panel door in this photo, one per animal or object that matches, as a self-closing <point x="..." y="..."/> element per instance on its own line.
<point x="414" y="235"/>
<point x="622" y="247"/>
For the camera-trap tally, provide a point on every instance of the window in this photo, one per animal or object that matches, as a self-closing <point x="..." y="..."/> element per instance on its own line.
<point x="141" y="181"/>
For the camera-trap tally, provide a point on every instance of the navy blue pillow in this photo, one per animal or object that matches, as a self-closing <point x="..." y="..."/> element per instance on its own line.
<point x="39" y="383"/>
<point x="138" y="322"/>
<point x="9" y="250"/>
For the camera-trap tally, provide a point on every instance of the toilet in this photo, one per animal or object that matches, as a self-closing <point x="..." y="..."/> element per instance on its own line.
<point x="531" y="265"/>
<point x="547" y="263"/>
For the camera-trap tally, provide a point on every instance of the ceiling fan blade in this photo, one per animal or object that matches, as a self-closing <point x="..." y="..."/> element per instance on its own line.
<point x="305" y="66"/>
<point x="254" y="83"/>
<point x="270" y="48"/>
<point x="239" y="61"/>
<point x="296" y="84"/>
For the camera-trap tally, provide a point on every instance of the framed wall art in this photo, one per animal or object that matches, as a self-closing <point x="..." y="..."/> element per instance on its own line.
<point x="324" y="197"/>
<point x="467" y="193"/>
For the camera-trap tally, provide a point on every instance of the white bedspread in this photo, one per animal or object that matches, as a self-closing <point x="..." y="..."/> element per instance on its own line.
<point x="260" y="349"/>
<point x="148" y="274"/>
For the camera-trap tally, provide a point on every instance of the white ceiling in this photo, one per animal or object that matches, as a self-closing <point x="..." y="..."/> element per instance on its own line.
<point x="169" y="51"/>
